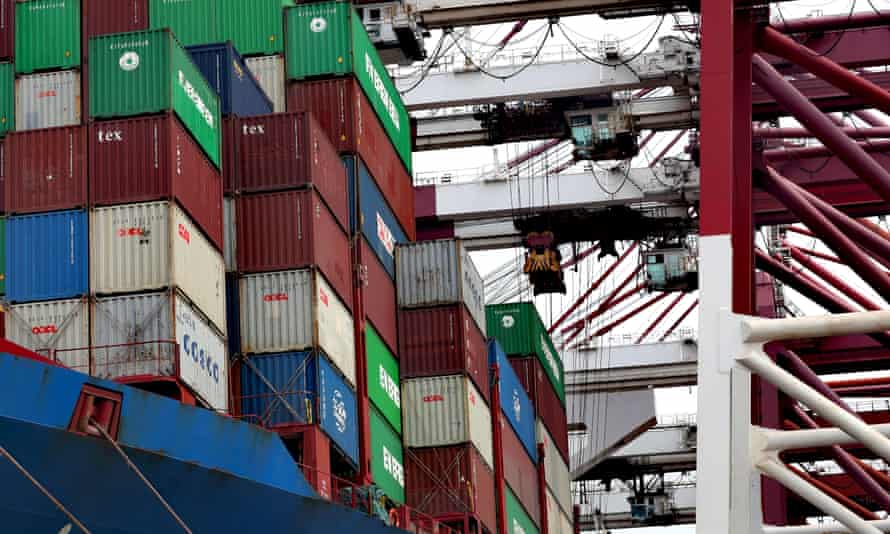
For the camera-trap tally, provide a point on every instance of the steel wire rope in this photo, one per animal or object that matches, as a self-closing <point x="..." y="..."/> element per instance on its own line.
<point x="513" y="74"/>
<point x="426" y="67"/>
<point x="40" y="487"/>
<point x="836" y="41"/>
<point x="630" y="37"/>
<point x="624" y="62"/>
<point x="517" y="40"/>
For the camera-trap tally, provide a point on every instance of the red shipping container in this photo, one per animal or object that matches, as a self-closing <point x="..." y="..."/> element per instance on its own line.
<point x="520" y="472"/>
<point x="292" y="230"/>
<point x="284" y="151"/>
<point x="441" y="341"/>
<point x="545" y="400"/>
<point x="228" y="155"/>
<point x="101" y="17"/>
<point x="7" y="23"/>
<point x="345" y="114"/>
<point x="380" y="299"/>
<point x="2" y="174"/>
<point x="154" y="158"/>
<point x="46" y="170"/>
<point x="450" y="480"/>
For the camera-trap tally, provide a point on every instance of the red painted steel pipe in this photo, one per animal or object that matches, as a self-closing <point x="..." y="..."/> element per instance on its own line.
<point x="629" y="315"/>
<point x="834" y="22"/>
<point x="498" y="444"/>
<point x="861" y="387"/>
<point x="794" y="133"/>
<point x="833" y="280"/>
<point x="578" y="326"/>
<point x="537" y="151"/>
<point x="646" y="139"/>
<point x="801" y="231"/>
<point x="578" y="257"/>
<point x="782" y="154"/>
<point x="869" y="240"/>
<point x="667" y="148"/>
<point x="679" y="320"/>
<point x="801" y="283"/>
<point x="851" y="466"/>
<point x="671" y="305"/>
<point x="854" y="506"/>
<point x="816" y="254"/>
<point x="784" y="191"/>
<point x="580" y="300"/>
<point x="815" y="121"/>
<point x="563" y="166"/>
<point x="871" y="118"/>
<point x="777" y="43"/>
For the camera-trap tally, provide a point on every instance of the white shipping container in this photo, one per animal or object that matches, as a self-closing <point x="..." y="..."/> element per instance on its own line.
<point x="446" y="410"/>
<point x="556" y="471"/>
<point x="558" y="521"/>
<point x="47" y="100"/>
<point x="53" y="328"/>
<point x="439" y="272"/>
<point x="229" y="233"/>
<point x="269" y="73"/>
<point x="136" y="335"/>
<point x="296" y="310"/>
<point x="155" y="245"/>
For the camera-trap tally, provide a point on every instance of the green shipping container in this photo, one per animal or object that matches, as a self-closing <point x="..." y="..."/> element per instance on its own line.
<point x="194" y="22"/>
<point x="149" y="72"/>
<point x="7" y="98"/>
<point x="329" y="39"/>
<point x="518" y="328"/>
<point x="255" y="27"/>
<point x="518" y="522"/>
<point x="387" y="463"/>
<point x="384" y="387"/>
<point x="47" y="35"/>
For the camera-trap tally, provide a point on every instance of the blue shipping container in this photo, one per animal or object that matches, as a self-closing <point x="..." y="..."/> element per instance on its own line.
<point x="515" y="403"/>
<point x="233" y="314"/>
<point x="224" y="68"/>
<point x="378" y="224"/>
<point x="47" y="256"/>
<point x="300" y="388"/>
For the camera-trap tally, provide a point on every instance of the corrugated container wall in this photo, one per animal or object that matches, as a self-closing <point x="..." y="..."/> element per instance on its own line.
<point x="154" y="245"/>
<point x="387" y="459"/>
<point x="520" y="472"/>
<point x="225" y="71"/>
<point x="380" y="299"/>
<point x="431" y="273"/>
<point x="47" y="256"/>
<point x="256" y="27"/>
<point x="46" y="170"/>
<point x="515" y="403"/>
<point x="269" y="73"/>
<point x="7" y="97"/>
<point x="558" y="521"/>
<point x="518" y="521"/>
<point x="346" y="115"/>
<point x="149" y="72"/>
<point x="142" y="320"/>
<point x="230" y="242"/>
<point x="446" y="410"/>
<point x="547" y="405"/>
<point x="375" y="218"/>
<point x="384" y="385"/>
<point x="300" y="388"/>
<point x="7" y="24"/>
<point x="2" y="255"/>
<point x="329" y="39"/>
<point x="101" y="17"/>
<point x="442" y="340"/>
<point x="451" y="480"/>
<point x="556" y="470"/>
<point x="296" y="310"/>
<point x="519" y="329"/>
<point x="47" y="36"/>
<point x="154" y="158"/>
<point x="53" y="325"/>
<point x="292" y="230"/>
<point x="194" y="22"/>
<point x="287" y="150"/>
<point x="47" y="100"/>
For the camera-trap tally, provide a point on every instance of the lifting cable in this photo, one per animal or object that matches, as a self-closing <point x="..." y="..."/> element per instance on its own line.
<point x="39" y="486"/>
<point x="140" y="475"/>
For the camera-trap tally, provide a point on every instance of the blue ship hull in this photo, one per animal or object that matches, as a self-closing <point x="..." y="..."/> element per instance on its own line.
<point x="218" y="474"/>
